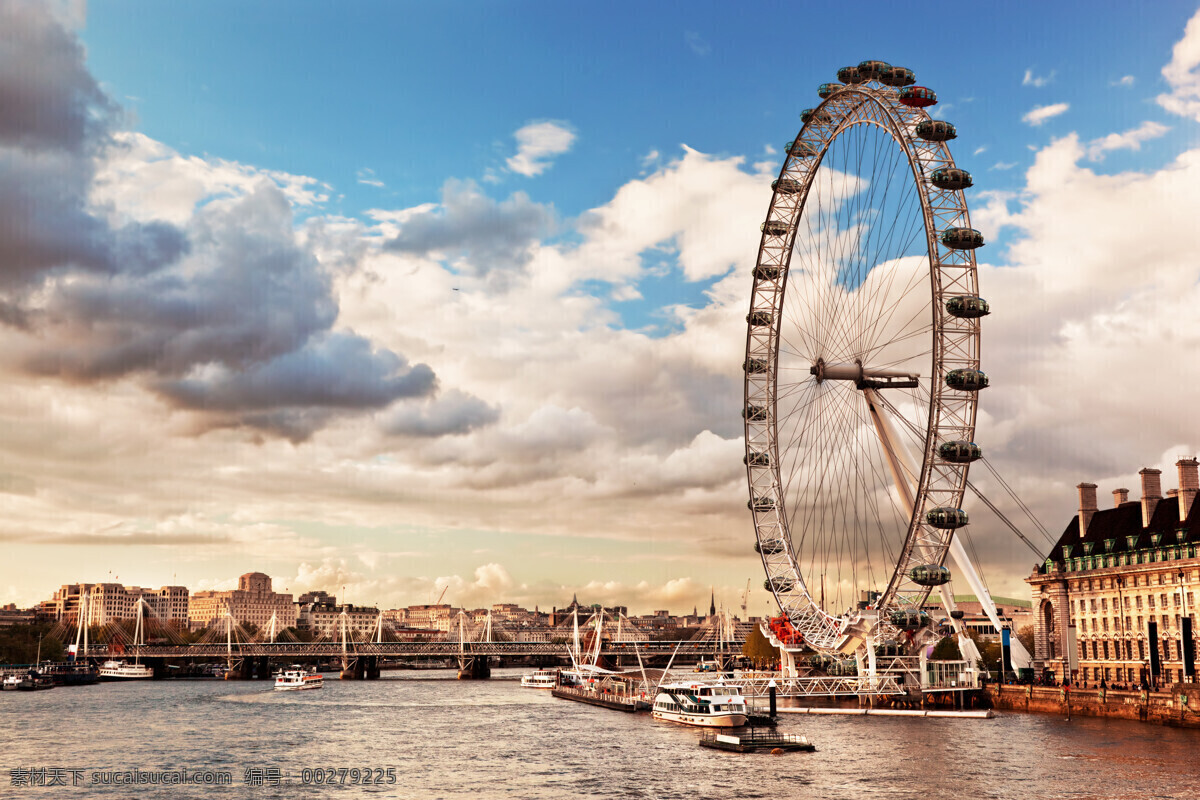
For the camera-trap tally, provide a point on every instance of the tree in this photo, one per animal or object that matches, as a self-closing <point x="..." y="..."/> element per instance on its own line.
<point x="946" y="650"/>
<point x="1025" y="637"/>
<point x="759" y="650"/>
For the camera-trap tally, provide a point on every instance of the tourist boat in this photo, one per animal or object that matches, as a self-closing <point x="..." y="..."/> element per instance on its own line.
<point x="704" y="705"/>
<point x="11" y="683"/>
<point x="540" y="679"/>
<point x="297" y="678"/>
<point x="124" y="671"/>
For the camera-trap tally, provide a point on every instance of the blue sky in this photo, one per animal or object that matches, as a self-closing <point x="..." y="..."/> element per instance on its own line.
<point x="325" y="319"/>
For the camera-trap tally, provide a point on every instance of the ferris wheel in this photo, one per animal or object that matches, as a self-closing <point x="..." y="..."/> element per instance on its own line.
<point x="862" y="365"/>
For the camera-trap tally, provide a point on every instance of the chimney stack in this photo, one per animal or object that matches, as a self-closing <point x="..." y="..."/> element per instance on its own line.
<point x="1189" y="485"/>
<point x="1151" y="493"/>
<point x="1120" y="496"/>
<point x="1087" y="505"/>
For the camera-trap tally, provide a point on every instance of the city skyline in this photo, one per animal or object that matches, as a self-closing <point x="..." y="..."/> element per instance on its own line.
<point x="380" y="299"/>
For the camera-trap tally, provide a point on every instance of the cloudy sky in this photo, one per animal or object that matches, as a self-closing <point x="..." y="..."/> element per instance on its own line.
<point x="399" y="297"/>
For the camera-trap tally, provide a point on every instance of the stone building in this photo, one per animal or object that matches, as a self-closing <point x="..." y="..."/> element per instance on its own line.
<point x="252" y="602"/>
<point x="113" y="601"/>
<point x="1116" y="597"/>
<point x="325" y="620"/>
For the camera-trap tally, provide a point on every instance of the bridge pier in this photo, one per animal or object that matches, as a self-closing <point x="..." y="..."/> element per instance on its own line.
<point x="474" y="668"/>
<point x="371" y="671"/>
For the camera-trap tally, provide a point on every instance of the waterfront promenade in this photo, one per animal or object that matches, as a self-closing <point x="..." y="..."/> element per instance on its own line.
<point x="1177" y="706"/>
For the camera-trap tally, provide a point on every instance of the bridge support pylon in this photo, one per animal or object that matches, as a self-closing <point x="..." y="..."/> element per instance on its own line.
<point x="473" y="668"/>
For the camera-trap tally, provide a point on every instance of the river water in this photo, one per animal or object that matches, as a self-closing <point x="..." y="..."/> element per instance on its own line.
<point x="445" y="738"/>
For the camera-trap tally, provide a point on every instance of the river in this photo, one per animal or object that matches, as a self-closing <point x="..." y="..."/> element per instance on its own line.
<point x="443" y="738"/>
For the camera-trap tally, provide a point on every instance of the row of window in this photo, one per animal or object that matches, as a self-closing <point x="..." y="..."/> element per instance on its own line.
<point x="1101" y="625"/>
<point x="1128" y="675"/>
<point x="1081" y="606"/>
<point x="1125" y="650"/>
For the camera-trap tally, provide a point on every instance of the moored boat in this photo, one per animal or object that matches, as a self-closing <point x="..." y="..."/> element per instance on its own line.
<point x="540" y="679"/>
<point x="703" y="705"/>
<point x="11" y="683"/>
<point x="298" y="678"/>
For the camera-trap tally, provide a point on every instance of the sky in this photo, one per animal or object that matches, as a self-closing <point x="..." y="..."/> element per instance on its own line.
<point x="389" y="298"/>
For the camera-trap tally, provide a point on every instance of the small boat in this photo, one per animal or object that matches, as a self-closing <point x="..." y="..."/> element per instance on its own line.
<point x="11" y="683"/>
<point x="124" y="671"/>
<point x="297" y="678"/>
<point x="703" y="705"/>
<point x="34" y="681"/>
<point x="540" y="679"/>
<point x="756" y="741"/>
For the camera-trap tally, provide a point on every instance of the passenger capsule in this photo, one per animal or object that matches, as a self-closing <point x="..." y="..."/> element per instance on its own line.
<point x="959" y="452"/>
<point x="936" y="130"/>
<point x="898" y="76"/>
<point x="957" y="614"/>
<point x="849" y="75"/>
<point x="766" y="272"/>
<point x="962" y="238"/>
<point x="800" y="149"/>
<point x="757" y="459"/>
<point x="826" y="90"/>
<point x="918" y="96"/>
<point x="786" y="185"/>
<point x="761" y="504"/>
<point x="907" y="620"/>
<point x="967" y="307"/>
<point x="774" y="227"/>
<point x="754" y="366"/>
<point x="873" y="70"/>
<point x="947" y="519"/>
<point x="770" y="547"/>
<point x="966" y="380"/>
<point x="757" y="319"/>
<point x="779" y="585"/>
<point x="755" y="413"/>
<point x="951" y="178"/>
<point x="822" y="116"/>
<point x="929" y="575"/>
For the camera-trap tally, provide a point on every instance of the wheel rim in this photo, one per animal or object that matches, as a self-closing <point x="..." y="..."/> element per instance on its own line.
<point x="851" y="270"/>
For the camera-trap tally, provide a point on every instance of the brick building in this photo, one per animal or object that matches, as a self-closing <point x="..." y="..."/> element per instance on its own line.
<point x="252" y="602"/>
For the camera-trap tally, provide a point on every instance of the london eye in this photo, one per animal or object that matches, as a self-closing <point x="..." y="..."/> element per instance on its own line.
<point x="862" y="365"/>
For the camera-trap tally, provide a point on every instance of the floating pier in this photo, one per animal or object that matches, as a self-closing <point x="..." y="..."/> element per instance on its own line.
<point x="756" y="741"/>
<point x="892" y="712"/>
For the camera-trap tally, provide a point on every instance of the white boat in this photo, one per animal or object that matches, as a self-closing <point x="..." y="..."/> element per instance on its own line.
<point x="703" y="705"/>
<point x="123" y="671"/>
<point x="540" y="679"/>
<point x="297" y="678"/>
<point x="11" y="682"/>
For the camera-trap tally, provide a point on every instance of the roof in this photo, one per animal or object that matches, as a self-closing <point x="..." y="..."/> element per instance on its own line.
<point x="1118" y="530"/>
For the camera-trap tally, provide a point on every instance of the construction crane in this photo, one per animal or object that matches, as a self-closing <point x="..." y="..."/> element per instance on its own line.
<point x="440" y="596"/>
<point x="745" y="597"/>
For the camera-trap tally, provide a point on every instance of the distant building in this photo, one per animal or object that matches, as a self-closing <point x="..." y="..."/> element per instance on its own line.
<point x="107" y="602"/>
<point x="252" y="602"/>
<point x="325" y="620"/>
<point x="11" y="615"/>
<point x="1116" y="597"/>
<point x="1013" y="614"/>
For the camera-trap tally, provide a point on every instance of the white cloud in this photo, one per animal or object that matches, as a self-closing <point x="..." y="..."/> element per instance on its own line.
<point x="537" y="145"/>
<point x="1182" y="73"/>
<point x="366" y="176"/>
<point x="696" y="43"/>
<point x="1129" y="140"/>
<point x="979" y="150"/>
<point x="1040" y="114"/>
<point x="1003" y="165"/>
<point x="1126" y="80"/>
<point x="1037" y="81"/>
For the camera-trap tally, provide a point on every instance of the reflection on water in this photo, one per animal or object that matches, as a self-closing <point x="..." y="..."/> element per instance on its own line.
<point x="486" y="739"/>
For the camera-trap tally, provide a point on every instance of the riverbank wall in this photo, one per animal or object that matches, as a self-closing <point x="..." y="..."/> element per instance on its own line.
<point x="1176" y="706"/>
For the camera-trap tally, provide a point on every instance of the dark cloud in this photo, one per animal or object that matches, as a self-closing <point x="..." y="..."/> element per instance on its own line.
<point x="48" y="97"/>
<point x="453" y="414"/>
<point x="337" y="370"/>
<point x="468" y="224"/>
<point x="229" y="315"/>
<point x="247" y="294"/>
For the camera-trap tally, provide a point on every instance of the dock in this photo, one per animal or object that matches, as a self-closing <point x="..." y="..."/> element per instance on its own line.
<point x="756" y="741"/>
<point x="892" y="712"/>
<point x="613" y="700"/>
